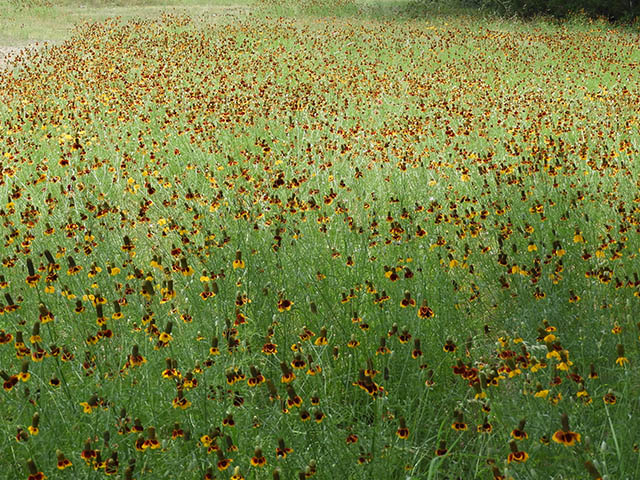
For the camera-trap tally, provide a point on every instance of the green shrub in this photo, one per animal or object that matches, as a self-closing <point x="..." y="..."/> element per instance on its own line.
<point x="612" y="9"/>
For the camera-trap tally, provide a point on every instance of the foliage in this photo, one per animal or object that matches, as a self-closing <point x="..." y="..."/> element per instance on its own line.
<point x="612" y="9"/>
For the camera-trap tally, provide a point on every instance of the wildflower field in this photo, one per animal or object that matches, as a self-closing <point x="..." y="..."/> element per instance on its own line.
<point x="317" y="247"/>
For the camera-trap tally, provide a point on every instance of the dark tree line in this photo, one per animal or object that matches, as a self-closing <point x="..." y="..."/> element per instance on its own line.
<point x="612" y="9"/>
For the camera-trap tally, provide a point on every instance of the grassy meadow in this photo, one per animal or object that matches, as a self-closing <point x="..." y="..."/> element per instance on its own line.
<point x="318" y="240"/>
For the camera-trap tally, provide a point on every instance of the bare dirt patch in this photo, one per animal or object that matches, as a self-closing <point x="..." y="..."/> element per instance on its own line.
<point x="8" y="53"/>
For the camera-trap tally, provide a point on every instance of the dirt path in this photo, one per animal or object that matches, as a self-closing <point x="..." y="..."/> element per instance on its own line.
<point x="8" y="53"/>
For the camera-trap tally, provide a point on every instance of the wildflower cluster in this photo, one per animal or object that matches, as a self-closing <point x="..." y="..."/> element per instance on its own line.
<point x="277" y="248"/>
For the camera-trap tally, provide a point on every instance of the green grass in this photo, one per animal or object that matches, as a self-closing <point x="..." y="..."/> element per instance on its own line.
<point x="353" y="190"/>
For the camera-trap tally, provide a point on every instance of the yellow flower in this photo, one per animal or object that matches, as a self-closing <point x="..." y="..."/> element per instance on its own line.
<point x="238" y="264"/>
<point x="566" y="438"/>
<point x="622" y="361"/>
<point x="553" y="354"/>
<point x="556" y="398"/>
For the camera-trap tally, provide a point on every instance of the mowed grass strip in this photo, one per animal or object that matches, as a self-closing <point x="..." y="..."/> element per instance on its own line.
<point x="25" y="23"/>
